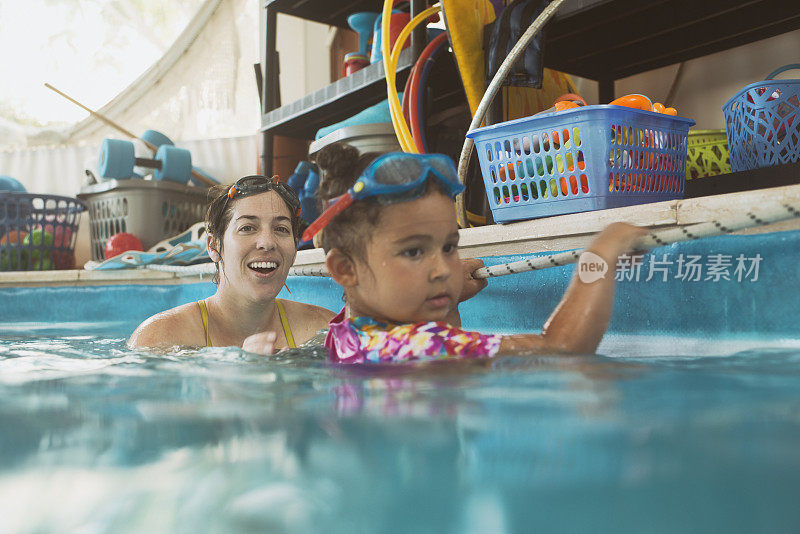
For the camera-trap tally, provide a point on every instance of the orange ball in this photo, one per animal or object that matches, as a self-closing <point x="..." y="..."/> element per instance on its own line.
<point x="14" y="237"/>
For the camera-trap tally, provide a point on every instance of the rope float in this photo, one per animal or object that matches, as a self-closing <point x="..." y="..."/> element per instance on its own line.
<point x="199" y="269"/>
<point x="727" y="225"/>
<point x="771" y="213"/>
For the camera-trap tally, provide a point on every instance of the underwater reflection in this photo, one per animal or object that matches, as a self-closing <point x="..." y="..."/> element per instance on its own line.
<point x="224" y="441"/>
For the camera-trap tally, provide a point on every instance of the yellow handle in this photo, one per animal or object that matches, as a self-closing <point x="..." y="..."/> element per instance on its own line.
<point x="390" y="61"/>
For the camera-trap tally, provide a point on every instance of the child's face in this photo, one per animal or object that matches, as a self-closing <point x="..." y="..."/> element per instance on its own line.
<point x="259" y="246"/>
<point x="412" y="271"/>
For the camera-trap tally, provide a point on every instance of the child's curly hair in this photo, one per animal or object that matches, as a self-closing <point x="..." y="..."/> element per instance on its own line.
<point x="350" y="230"/>
<point x="341" y="165"/>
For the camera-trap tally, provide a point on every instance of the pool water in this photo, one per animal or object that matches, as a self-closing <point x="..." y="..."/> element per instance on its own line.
<point x="98" y="438"/>
<point x="691" y="424"/>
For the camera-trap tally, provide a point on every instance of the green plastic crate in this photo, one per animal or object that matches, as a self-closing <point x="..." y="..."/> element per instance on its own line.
<point x="707" y="154"/>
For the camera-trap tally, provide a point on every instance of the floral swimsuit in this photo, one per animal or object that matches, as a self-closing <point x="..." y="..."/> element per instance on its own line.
<point x="365" y="340"/>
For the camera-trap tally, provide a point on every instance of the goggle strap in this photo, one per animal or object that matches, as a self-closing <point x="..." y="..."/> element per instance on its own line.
<point x="332" y="211"/>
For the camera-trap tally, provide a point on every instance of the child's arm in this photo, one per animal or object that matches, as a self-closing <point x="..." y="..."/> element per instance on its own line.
<point x="472" y="286"/>
<point x="581" y="318"/>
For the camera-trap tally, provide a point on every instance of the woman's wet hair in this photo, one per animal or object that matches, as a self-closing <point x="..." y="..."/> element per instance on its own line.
<point x="218" y="217"/>
<point x="341" y="165"/>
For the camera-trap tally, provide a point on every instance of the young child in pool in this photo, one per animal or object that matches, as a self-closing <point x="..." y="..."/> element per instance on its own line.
<point x="391" y="241"/>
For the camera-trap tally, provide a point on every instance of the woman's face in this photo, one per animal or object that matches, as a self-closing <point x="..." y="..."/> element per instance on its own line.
<point x="258" y="246"/>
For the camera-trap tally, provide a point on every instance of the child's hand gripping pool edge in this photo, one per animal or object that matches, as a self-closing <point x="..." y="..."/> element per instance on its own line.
<point x="471" y="287"/>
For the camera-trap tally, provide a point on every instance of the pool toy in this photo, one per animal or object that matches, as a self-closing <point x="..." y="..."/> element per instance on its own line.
<point x="117" y="159"/>
<point x="362" y="23"/>
<point x="153" y="135"/>
<point x="38" y="238"/>
<point x="42" y="264"/>
<point x="54" y="242"/>
<point x="184" y="248"/>
<point x="61" y="235"/>
<point x="63" y="259"/>
<point x="390" y="65"/>
<point x="13" y="237"/>
<point x="465" y="22"/>
<point x="305" y="182"/>
<point x="156" y="138"/>
<point x="354" y="62"/>
<point x="10" y="261"/>
<point x="194" y="234"/>
<point x="122" y="242"/>
<point x="637" y="101"/>
<point x="13" y="185"/>
<point x="414" y="94"/>
<point x="396" y="22"/>
<point x="42" y="240"/>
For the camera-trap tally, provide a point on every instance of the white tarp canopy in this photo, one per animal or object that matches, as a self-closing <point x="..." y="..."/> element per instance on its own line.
<point x="183" y="67"/>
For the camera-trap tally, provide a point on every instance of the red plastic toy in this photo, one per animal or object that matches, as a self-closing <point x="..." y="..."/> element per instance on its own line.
<point x="122" y="242"/>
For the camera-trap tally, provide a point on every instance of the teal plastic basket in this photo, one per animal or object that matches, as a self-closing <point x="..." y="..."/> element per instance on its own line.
<point x="584" y="159"/>
<point x="763" y="123"/>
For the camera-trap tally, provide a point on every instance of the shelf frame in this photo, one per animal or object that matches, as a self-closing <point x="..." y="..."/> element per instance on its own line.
<point x="606" y="40"/>
<point x="336" y="101"/>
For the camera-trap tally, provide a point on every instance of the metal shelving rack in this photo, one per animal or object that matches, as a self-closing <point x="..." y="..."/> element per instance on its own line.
<point x="336" y="101"/>
<point x="603" y="40"/>
<point x="606" y="40"/>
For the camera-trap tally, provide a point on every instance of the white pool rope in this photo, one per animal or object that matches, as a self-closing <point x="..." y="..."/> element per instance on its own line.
<point x="771" y="213"/>
<point x="491" y="92"/>
<point x="768" y="213"/>
<point x="209" y="269"/>
<point x="199" y="269"/>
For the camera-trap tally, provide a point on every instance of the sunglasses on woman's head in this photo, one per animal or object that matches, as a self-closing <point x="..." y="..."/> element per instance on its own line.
<point x="394" y="177"/>
<point x="255" y="184"/>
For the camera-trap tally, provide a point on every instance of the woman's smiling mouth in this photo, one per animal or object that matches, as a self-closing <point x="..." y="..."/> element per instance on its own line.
<point x="262" y="267"/>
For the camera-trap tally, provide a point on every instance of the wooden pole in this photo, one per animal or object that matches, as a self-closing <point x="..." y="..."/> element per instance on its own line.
<point x="125" y="132"/>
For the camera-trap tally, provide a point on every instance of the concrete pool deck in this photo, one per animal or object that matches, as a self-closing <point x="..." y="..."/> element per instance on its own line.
<point x="562" y="232"/>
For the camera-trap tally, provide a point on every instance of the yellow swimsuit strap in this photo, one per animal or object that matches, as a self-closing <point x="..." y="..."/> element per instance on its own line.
<point x="204" y="315"/>
<point x="287" y="331"/>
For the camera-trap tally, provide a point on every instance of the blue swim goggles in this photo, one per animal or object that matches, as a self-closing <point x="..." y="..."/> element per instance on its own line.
<point x="394" y="177"/>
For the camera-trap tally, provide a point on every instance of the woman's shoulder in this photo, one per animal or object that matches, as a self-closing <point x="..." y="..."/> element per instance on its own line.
<point x="174" y="327"/>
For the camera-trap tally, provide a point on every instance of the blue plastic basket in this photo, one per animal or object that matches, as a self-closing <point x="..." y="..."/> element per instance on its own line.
<point x="763" y="123"/>
<point x="38" y="232"/>
<point x="584" y="159"/>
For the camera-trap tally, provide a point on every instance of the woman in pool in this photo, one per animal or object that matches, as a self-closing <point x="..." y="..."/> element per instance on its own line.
<point x="252" y="237"/>
<point x="391" y="241"/>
